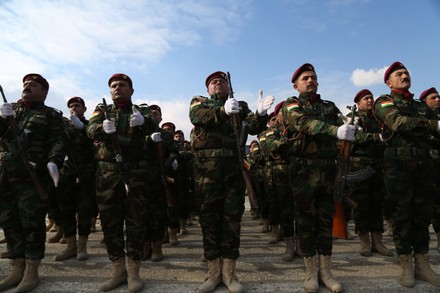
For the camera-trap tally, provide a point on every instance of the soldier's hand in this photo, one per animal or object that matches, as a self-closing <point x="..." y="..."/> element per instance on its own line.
<point x="346" y="132"/>
<point x="109" y="126"/>
<point x="264" y="104"/>
<point x="231" y="106"/>
<point x="76" y="122"/>
<point x="136" y="119"/>
<point x="356" y="122"/>
<point x="6" y="110"/>
<point x="53" y="171"/>
<point x="156" y="137"/>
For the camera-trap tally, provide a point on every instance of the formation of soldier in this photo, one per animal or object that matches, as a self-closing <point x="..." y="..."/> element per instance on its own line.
<point x="147" y="182"/>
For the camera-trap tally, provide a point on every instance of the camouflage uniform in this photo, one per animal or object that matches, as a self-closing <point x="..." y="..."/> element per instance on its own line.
<point x="434" y="151"/>
<point x="217" y="174"/>
<point x="313" y="169"/>
<point x="254" y="159"/>
<point x="22" y="211"/>
<point x="408" y="175"/>
<point x="115" y="206"/>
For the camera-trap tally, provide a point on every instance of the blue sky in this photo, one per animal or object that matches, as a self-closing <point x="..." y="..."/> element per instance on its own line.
<point x="168" y="48"/>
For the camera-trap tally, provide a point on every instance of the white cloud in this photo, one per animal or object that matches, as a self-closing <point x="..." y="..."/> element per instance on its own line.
<point x="362" y="77"/>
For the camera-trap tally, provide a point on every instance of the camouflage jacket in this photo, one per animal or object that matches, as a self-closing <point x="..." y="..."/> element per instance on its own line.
<point x="277" y="145"/>
<point x="79" y="144"/>
<point x="131" y="139"/>
<point x="406" y="123"/>
<point x="434" y="142"/>
<point x="368" y="143"/>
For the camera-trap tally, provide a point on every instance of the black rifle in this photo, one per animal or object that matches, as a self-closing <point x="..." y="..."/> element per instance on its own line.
<point x="72" y="162"/>
<point x="121" y="165"/>
<point x="238" y="131"/>
<point x="163" y="176"/>
<point x="29" y="165"/>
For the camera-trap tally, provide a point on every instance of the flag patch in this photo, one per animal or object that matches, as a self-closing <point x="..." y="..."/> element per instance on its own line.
<point x="386" y="104"/>
<point x="292" y="106"/>
<point x="95" y="114"/>
<point x="195" y="104"/>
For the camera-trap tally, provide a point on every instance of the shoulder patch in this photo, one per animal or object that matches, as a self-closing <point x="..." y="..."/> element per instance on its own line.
<point x="197" y="101"/>
<point x="292" y="106"/>
<point x="386" y="104"/>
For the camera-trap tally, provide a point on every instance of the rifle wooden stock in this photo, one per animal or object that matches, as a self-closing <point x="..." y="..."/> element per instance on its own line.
<point x="15" y="132"/>
<point x="164" y="178"/>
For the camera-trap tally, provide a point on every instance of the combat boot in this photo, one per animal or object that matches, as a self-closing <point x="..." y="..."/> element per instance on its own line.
<point x="30" y="277"/>
<point x="214" y="276"/>
<point x="50" y="224"/>
<point x="70" y="250"/>
<point x="228" y="276"/>
<point x="134" y="282"/>
<point x="365" y="245"/>
<point x="182" y="223"/>
<point x="265" y="227"/>
<point x="58" y="235"/>
<point x="325" y="275"/>
<point x="156" y="252"/>
<point x="376" y="238"/>
<point x="311" y="284"/>
<point x="173" y="236"/>
<point x="81" y="253"/>
<point x="275" y="236"/>
<point x="423" y="271"/>
<point x="406" y="278"/>
<point x="389" y="230"/>
<point x="288" y="255"/>
<point x="118" y="277"/>
<point x="15" y="276"/>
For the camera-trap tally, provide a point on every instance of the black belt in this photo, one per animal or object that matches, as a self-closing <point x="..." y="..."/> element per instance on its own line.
<point x="406" y="152"/>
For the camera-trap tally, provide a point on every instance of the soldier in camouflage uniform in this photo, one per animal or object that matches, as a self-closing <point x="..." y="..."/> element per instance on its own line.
<point x="122" y="187"/>
<point x="254" y="158"/>
<point x="218" y="175"/>
<point x="369" y="194"/>
<point x="432" y="99"/>
<point x="22" y="208"/>
<point x="76" y="195"/>
<point x="408" y="125"/>
<point x="313" y="173"/>
<point x="266" y="175"/>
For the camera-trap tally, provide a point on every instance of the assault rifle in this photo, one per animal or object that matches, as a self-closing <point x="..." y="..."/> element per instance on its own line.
<point x="29" y="165"/>
<point x="72" y="162"/>
<point x="240" y="141"/>
<point x="163" y="176"/>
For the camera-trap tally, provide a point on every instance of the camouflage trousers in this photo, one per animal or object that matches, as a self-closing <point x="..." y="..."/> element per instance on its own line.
<point x="117" y="208"/>
<point x="312" y="186"/>
<point x="410" y="182"/>
<point x="222" y="190"/>
<point x="157" y="220"/>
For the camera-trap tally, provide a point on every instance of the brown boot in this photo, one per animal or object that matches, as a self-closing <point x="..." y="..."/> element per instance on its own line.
<point x="30" y="276"/>
<point x="57" y="237"/>
<point x="365" y="245"/>
<point x="389" y="228"/>
<point x="81" y="253"/>
<point x="182" y="223"/>
<point x="50" y="224"/>
<point x="134" y="282"/>
<point x="118" y="277"/>
<point x="15" y="276"/>
<point x="311" y="284"/>
<point x="70" y="250"/>
<point x="423" y="271"/>
<point x="147" y="251"/>
<point x="156" y="252"/>
<point x="376" y="238"/>
<point x="406" y="278"/>
<point x="265" y="227"/>
<point x="228" y="276"/>
<point x="275" y="236"/>
<point x="288" y="255"/>
<point x="173" y="236"/>
<point x="53" y="228"/>
<point x="325" y="275"/>
<point x="214" y="276"/>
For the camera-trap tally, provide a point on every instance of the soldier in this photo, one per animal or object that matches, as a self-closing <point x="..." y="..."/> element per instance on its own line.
<point x="119" y="133"/>
<point x="218" y="175"/>
<point x="23" y="205"/>
<point x="254" y="158"/>
<point x="409" y="180"/>
<point x="432" y="99"/>
<point x="75" y="194"/>
<point x="313" y="172"/>
<point x="369" y="194"/>
<point x="266" y="174"/>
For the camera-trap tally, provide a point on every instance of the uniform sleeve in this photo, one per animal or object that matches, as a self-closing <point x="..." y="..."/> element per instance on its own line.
<point x="202" y="112"/>
<point x="94" y="129"/>
<point x="57" y="138"/>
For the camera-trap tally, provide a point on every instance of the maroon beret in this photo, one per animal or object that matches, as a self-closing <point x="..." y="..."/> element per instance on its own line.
<point x="393" y="67"/>
<point x="217" y="74"/>
<point x="169" y="124"/>
<point x="120" y="76"/>
<point x="301" y="69"/>
<point x="155" y="107"/>
<point x="427" y="93"/>
<point x="76" y="99"/>
<point x="278" y="107"/>
<point x="361" y="94"/>
<point x="178" y="132"/>
<point x="38" y="79"/>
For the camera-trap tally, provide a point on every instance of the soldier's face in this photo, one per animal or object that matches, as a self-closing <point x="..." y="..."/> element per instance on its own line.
<point x="433" y="101"/>
<point x="121" y="91"/>
<point x="33" y="92"/>
<point x="273" y="122"/>
<point x="365" y="103"/>
<point x="178" y="137"/>
<point x="218" y="86"/>
<point x="157" y="116"/>
<point x="399" y="80"/>
<point x="77" y="108"/>
<point x="307" y="82"/>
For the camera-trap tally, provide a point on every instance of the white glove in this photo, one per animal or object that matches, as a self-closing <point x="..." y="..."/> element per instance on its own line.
<point x="109" y="126"/>
<point x="53" y="171"/>
<point x="156" y="137"/>
<point x="76" y="122"/>
<point x="174" y="165"/>
<point x="264" y="103"/>
<point x="356" y="122"/>
<point x="6" y="110"/>
<point x="346" y="132"/>
<point x="231" y="106"/>
<point x="438" y="126"/>
<point x="136" y="119"/>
